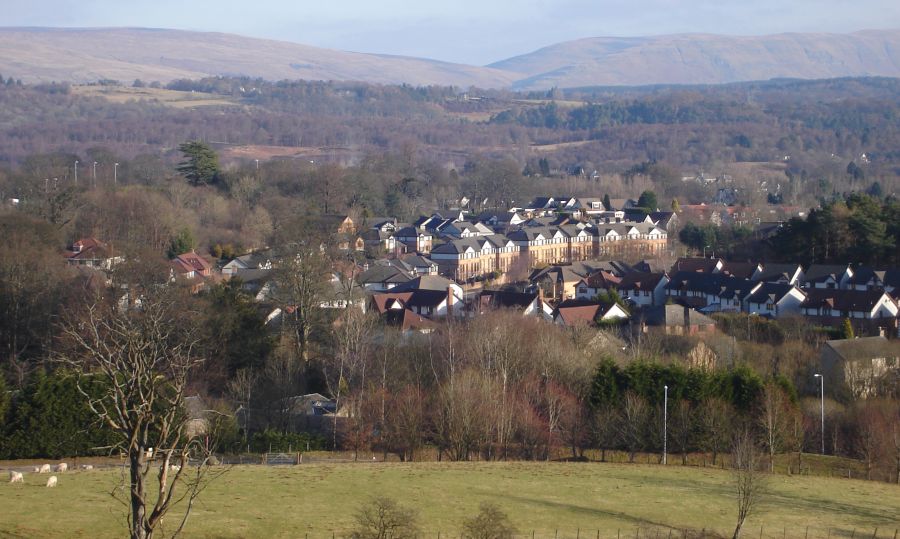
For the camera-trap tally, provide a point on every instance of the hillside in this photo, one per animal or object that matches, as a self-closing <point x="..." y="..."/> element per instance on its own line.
<point x="706" y="59"/>
<point x="125" y="54"/>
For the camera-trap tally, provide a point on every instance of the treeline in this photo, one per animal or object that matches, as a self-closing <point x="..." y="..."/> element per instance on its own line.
<point x="857" y="228"/>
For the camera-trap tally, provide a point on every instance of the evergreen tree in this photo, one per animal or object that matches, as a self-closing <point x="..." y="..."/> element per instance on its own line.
<point x="606" y="203"/>
<point x="648" y="201"/>
<point x="676" y="207"/>
<point x="847" y="329"/>
<point x="183" y="242"/>
<point x="201" y="164"/>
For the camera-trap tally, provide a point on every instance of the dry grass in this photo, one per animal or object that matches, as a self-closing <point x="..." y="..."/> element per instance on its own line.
<point x="169" y="98"/>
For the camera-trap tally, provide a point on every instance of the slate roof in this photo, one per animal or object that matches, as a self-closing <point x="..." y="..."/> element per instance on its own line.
<point x="498" y="299"/>
<point x="770" y="293"/>
<point x="821" y="272"/>
<point x="864" y="348"/>
<point x="842" y="300"/>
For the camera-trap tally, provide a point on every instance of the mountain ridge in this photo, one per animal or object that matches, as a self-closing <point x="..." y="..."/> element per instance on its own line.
<point x="82" y="55"/>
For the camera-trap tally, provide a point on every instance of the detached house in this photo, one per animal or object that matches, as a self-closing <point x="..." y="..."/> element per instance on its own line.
<point x="191" y="266"/>
<point x="528" y="304"/>
<point x="644" y="289"/>
<point x="92" y="253"/>
<point x="578" y="312"/>
<point x="859" y="365"/>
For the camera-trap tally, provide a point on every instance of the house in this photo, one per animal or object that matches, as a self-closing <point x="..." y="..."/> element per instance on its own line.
<point x="579" y="312"/>
<point x="409" y="322"/>
<point x="644" y="289"/>
<point x="526" y="303"/>
<point x="673" y="320"/>
<point x="600" y="282"/>
<point x="775" y="300"/>
<point x="709" y="292"/>
<point x="415" y="240"/>
<point x="420" y="265"/>
<point x="190" y="266"/>
<point x="741" y="270"/>
<point x="251" y="261"/>
<point x="433" y="283"/>
<point x="866" y="278"/>
<point x="826" y="276"/>
<point x="381" y="239"/>
<point x="858" y="366"/>
<point x="698" y="265"/>
<point x="92" y="253"/>
<point x="868" y="310"/>
<point x="383" y="276"/>
<point x="500" y="220"/>
<point x="425" y="303"/>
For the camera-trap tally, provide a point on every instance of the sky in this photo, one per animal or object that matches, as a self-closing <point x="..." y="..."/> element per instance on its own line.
<point x="466" y="31"/>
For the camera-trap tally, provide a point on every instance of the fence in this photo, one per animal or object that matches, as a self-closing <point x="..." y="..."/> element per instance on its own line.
<point x="645" y="532"/>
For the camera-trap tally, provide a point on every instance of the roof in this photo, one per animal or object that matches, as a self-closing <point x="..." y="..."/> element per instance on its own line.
<point x="410" y="321"/>
<point x="864" y="348"/>
<point x="675" y="315"/>
<point x="774" y="272"/>
<point x="640" y="281"/>
<point x="603" y="280"/>
<point x="821" y="272"/>
<point x="716" y="284"/>
<point x="89" y="249"/>
<point x="191" y="261"/>
<point x="384" y="274"/>
<point x="743" y="270"/>
<point x="842" y="300"/>
<point x="425" y="282"/>
<point x="499" y="299"/>
<point x="770" y="293"/>
<point x="577" y="312"/>
<point x="886" y="277"/>
<point x="704" y="265"/>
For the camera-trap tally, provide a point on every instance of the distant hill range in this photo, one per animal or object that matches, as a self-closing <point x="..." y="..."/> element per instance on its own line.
<point x="125" y="54"/>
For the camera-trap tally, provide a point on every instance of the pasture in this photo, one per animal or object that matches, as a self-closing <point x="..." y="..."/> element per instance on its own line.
<point x="564" y="500"/>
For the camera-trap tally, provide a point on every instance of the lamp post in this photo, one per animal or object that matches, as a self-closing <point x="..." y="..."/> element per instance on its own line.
<point x="822" y="407"/>
<point x="665" y="421"/>
<point x="76" y="172"/>
<point x="115" y="173"/>
<point x="257" y="164"/>
<point x="94" y="176"/>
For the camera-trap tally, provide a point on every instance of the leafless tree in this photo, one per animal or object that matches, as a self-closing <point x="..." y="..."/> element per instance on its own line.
<point x="605" y="429"/>
<point x="490" y="523"/>
<point x="715" y="421"/>
<point x="383" y="518"/>
<point x="241" y="389"/>
<point x="774" y="415"/>
<point x="405" y="425"/>
<point x="301" y="285"/>
<point x="748" y="480"/>
<point x="634" y="418"/>
<point x="682" y="428"/>
<point x="132" y="366"/>
<point x="346" y="369"/>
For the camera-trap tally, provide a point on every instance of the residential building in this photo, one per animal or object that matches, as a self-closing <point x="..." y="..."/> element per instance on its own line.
<point x="859" y="366"/>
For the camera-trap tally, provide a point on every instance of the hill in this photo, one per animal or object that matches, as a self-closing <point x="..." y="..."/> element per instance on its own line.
<point x="563" y="500"/>
<point x="705" y="59"/>
<point x="82" y="55"/>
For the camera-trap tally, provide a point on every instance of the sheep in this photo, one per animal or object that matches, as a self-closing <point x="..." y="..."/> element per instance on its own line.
<point x="45" y="468"/>
<point x="37" y="469"/>
<point x="86" y="467"/>
<point x="62" y="467"/>
<point x="16" y="477"/>
<point x="51" y="482"/>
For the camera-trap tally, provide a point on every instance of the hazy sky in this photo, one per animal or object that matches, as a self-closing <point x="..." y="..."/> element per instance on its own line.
<point x="468" y="31"/>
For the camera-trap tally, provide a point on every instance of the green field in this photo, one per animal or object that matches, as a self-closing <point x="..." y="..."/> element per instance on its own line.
<point x="553" y="499"/>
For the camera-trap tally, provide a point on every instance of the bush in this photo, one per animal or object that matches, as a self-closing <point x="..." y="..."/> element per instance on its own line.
<point x="489" y="523"/>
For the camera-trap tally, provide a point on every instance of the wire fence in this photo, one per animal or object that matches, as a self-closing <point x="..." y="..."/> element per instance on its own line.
<point x="655" y="532"/>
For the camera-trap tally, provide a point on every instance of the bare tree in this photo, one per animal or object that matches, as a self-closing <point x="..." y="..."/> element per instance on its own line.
<point x="605" y="429"/>
<point x="383" y="518"/>
<point x="682" y="428"/>
<point x="133" y="366"/>
<point x="715" y="420"/>
<point x="774" y="414"/>
<point x="634" y="417"/>
<point x="748" y="480"/>
<point x="301" y="286"/>
<point x="240" y="389"/>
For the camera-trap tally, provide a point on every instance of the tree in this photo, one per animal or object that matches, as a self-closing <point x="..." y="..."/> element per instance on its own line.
<point x="715" y="421"/>
<point x="143" y="358"/>
<point x="676" y="207"/>
<point x="383" y="518"/>
<point x="648" y="201"/>
<point x="847" y="329"/>
<point x="301" y="283"/>
<point x="635" y="417"/>
<point x="201" y="164"/>
<point x="606" y="202"/>
<point x="774" y="416"/>
<point x="490" y="523"/>
<point x="181" y="243"/>
<point x="748" y="481"/>
<point x="682" y="428"/>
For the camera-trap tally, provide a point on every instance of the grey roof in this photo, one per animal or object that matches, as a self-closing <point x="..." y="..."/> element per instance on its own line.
<point x="384" y="274"/>
<point x="770" y="292"/>
<point x="864" y="348"/>
<point x="424" y="282"/>
<point x="821" y="272"/>
<point x="774" y="272"/>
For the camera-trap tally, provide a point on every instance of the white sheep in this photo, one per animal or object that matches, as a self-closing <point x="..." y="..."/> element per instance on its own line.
<point x="45" y="468"/>
<point x="62" y="467"/>
<point x="16" y="477"/>
<point x="37" y="469"/>
<point x="51" y="482"/>
<point x="86" y="467"/>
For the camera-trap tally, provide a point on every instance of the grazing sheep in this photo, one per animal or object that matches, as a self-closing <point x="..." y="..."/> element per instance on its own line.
<point x="86" y="467"/>
<point x="45" y="468"/>
<point x="37" y="469"/>
<point x="51" y="482"/>
<point x="16" y="477"/>
<point x="62" y="467"/>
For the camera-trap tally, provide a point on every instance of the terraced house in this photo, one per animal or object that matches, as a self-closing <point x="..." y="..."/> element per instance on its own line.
<point x="528" y="247"/>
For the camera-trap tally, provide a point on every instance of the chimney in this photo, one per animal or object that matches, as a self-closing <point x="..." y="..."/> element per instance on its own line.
<point x="450" y="298"/>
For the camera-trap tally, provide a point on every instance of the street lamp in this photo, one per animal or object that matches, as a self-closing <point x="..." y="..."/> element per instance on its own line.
<point x="115" y="173"/>
<point x="95" y="174"/>
<point x="257" y="164"/>
<point x="76" y="172"/>
<point x="822" y="394"/>
<point x="665" y="421"/>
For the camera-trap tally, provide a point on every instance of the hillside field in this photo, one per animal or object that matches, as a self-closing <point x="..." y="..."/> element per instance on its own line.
<point x="564" y="500"/>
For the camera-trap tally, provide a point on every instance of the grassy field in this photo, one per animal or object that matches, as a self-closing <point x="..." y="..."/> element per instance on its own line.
<point x="170" y="98"/>
<point x="562" y="500"/>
